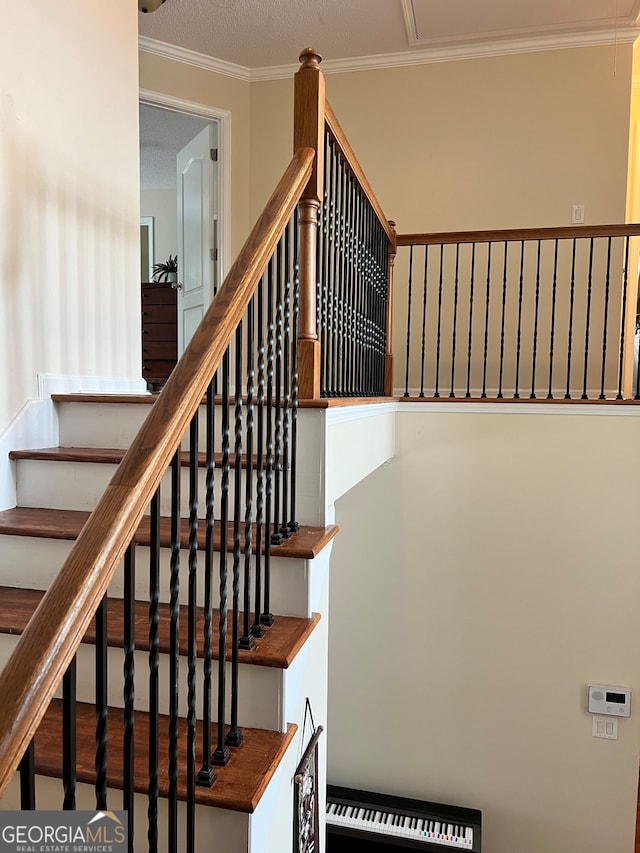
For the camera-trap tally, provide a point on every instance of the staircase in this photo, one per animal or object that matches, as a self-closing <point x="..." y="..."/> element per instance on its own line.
<point x="249" y="807"/>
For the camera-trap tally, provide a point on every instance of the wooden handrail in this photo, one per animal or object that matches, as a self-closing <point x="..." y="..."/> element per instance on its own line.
<point x="567" y="232"/>
<point x="45" y="649"/>
<point x="356" y="168"/>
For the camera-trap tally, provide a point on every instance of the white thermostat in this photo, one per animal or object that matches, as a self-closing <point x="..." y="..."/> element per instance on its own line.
<point x="615" y="701"/>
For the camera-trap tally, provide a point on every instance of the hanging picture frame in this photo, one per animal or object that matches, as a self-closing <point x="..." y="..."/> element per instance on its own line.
<point x="306" y="836"/>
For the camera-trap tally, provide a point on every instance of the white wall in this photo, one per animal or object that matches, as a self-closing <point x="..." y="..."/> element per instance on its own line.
<point x="480" y="581"/>
<point x="69" y="232"/>
<point x="163" y="206"/>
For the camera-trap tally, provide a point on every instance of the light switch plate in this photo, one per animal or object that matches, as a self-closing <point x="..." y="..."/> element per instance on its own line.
<point x="605" y="727"/>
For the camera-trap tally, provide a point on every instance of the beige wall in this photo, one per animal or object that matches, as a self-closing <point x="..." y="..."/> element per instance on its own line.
<point x="212" y="90"/>
<point x="470" y="611"/>
<point x="69" y="241"/>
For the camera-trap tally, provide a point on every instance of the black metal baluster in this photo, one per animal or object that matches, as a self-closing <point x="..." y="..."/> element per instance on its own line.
<point x="286" y="377"/>
<point x="206" y="774"/>
<point x="553" y="319"/>
<point x="234" y="736"/>
<point x="337" y="244"/>
<point x="101" y="705"/>
<point x="516" y="394"/>
<point x="27" y="771"/>
<point x="129" y="631"/>
<point x="469" y="346"/>
<point x="154" y="664"/>
<point x="406" y="378"/>
<point x="625" y="283"/>
<point x="265" y="617"/>
<point x="504" y="306"/>
<point x="585" y="396"/>
<point x="276" y="535"/>
<point x="341" y="283"/>
<point x="456" y="285"/>
<point x="325" y="259"/>
<point x="174" y="654"/>
<point x="293" y="524"/>
<point x="246" y="640"/>
<point x="221" y="752"/>
<point x="606" y="319"/>
<point x="567" y="395"/>
<point x="424" y="318"/>
<point x="191" y="635"/>
<point x="257" y="630"/>
<point x="439" y="325"/>
<point x="69" y="736"/>
<point x="532" y="395"/>
<point x="486" y="323"/>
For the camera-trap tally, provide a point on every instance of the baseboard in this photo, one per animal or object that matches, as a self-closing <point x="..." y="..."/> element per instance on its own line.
<point x="58" y="383"/>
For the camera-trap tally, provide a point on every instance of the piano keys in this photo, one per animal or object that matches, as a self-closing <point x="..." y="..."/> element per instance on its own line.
<point x="383" y="822"/>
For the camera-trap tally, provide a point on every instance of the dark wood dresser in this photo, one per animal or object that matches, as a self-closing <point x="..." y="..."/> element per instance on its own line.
<point x="159" y="333"/>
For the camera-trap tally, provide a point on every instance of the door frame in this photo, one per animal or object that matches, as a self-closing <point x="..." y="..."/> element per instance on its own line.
<point x="150" y="98"/>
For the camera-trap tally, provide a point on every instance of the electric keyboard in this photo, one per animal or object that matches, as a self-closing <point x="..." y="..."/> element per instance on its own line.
<point x="400" y="822"/>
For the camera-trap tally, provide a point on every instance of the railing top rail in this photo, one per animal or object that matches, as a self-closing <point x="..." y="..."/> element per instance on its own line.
<point x="349" y="155"/>
<point x="45" y="649"/>
<point x="519" y="234"/>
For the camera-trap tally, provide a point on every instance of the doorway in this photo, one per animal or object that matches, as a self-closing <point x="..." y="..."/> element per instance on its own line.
<point x="184" y="204"/>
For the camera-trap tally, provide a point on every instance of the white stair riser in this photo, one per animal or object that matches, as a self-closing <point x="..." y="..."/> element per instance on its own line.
<point x="260" y="697"/>
<point x="79" y="485"/>
<point x="116" y="425"/>
<point x="32" y="562"/>
<point x="217" y="830"/>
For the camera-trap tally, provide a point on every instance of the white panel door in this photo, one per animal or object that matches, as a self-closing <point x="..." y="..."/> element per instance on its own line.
<point x="197" y="195"/>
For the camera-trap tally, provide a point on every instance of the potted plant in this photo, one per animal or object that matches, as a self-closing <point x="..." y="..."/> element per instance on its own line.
<point x="167" y="270"/>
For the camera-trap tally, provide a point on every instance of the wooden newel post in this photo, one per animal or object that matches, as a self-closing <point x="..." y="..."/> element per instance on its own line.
<point x="308" y="132"/>
<point x="388" y="362"/>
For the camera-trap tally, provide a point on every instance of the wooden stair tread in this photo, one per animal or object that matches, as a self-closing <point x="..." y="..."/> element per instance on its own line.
<point x="239" y="785"/>
<point x="113" y="456"/>
<point x="278" y="648"/>
<point x="149" y="400"/>
<point x="67" y="524"/>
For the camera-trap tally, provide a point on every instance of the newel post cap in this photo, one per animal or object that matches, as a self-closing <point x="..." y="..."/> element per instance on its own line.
<point x="310" y="58"/>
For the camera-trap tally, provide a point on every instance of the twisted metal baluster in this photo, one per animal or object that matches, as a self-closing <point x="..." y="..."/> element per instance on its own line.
<point x="606" y="319"/>
<point x="455" y="321"/>
<point x="625" y="283"/>
<point x="174" y="654"/>
<point x="246" y="640"/>
<point x="532" y="395"/>
<point x="406" y="378"/>
<point x="266" y="617"/>
<point x="101" y="705"/>
<point x="191" y="634"/>
<point x="221" y="753"/>
<point x="516" y="395"/>
<point x="504" y="307"/>
<point x="293" y="524"/>
<point x="257" y="630"/>
<point x="154" y="665"/>
<point x="567" y="395"/>
<point x="234" y="736"/>
<point x="286" y="399"/>
<point x="585" y="396"/>
<point x="486" y="323"/>
<point x="470" y="343"/>
<point x="129" y="687"/>
<point x="424" y="317"/>
<point x="206" y="774"/>
<point x="439" y="325"/>
<point x="553" y="320"/>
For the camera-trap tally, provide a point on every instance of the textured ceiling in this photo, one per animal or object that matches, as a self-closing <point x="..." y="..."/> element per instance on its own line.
<point x="162" y="134"/>
<point x="266" y="33"/>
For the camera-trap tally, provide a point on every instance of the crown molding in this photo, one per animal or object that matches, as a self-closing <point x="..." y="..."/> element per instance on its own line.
<point x="424" y="56"/>
<point x="192" y="57"/>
